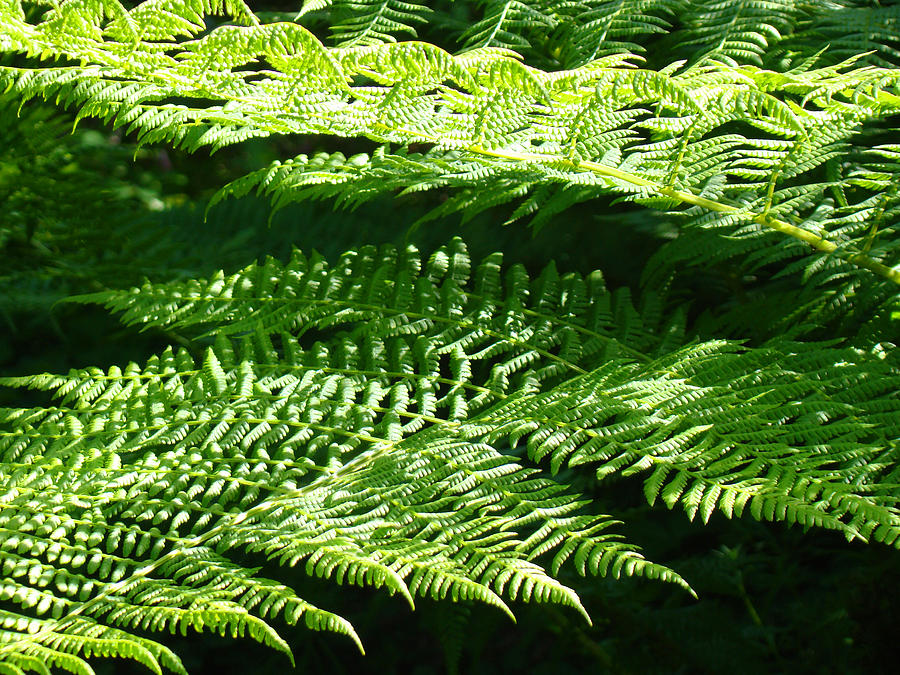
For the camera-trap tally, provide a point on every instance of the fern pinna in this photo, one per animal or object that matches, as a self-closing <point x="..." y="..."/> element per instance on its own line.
<point x="416" y="422"/>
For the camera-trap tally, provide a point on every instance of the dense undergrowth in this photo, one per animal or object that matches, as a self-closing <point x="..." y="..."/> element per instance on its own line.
<point x="360" y="358"/>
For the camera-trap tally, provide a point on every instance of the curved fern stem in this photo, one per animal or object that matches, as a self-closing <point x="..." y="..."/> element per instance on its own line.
<point x="814" y="240"/>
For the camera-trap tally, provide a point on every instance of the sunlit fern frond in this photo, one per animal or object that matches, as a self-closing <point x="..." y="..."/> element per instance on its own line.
<point x="660" y="137"/>
<point x="343" y="455"/>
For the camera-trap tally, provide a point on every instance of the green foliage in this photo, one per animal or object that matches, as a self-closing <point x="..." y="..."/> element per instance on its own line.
<point x="421" y="423"/>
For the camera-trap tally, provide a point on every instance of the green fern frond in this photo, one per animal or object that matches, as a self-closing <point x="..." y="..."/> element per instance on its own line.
<point x="370" y="457"/>
<point x="711" y="385"/>
<point x="780" y="288"/>
<point x="483" y="104"/>
<point x="506" y="22"/>
<point x="419" y="424"/>
<point x="571" y="33"/>
<point x="344" y="459"/>
<point x="369" y="22"/>
<point x="732" y="431"/>
<point x="850" y="30"/>
<point x="602" y="27"/>
<point x="568" y="320"/>
<point x="356" y="523"/>
<point x="736" y="32"/>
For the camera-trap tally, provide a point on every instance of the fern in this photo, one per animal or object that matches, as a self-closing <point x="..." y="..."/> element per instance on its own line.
<point x="736" y="32"/>
<point x="504" y="23"/>
<point x="370" y="22"/>
<point x="587" y="126"/>
<point x="603" y="28"/>
<point x="424" y="424"/>
<point x="851" y="30"/>
<point x="699" y="382"/>
<point x="288" y="441"/>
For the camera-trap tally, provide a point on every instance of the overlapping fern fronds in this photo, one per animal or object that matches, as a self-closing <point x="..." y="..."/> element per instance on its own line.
<point x="401" y="421"/>
<point x="343" y="456"/>
<point x="369" y="22"/>
<point x="607" y="126"/>
<point x="717" y="408"/>
<point x="373" y="455"/>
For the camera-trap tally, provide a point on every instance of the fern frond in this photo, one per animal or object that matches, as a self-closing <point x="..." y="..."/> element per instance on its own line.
<point x="570" y="33"/>
<point x="781" y="290"/>
<point x="739" y="403"/>
<point x="418" y="424"/>
<point x="369" y="22"/>
<point x="370" y="457"/>
<point x="736" y="32"/>
<point x="865" y="31"/>
<point x="602" y="27"/>
<point x="732" y="431"/>
<point x="344" y="459"/>
<point x="428" y="534"/>
<point x="570" y="320"/>
<point x="484" y="104"/>
<point x="506" y="22"/>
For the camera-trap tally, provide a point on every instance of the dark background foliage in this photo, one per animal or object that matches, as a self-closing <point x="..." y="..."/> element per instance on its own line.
<point x="88" y="211"/>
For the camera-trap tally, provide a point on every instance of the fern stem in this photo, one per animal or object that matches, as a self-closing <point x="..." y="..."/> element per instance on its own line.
<point x="815" y="241"/>
<point x="755" y="617"/>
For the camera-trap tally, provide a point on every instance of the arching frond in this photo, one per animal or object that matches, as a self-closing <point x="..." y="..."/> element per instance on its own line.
<point x="736" y="32"/>
<point x="506" y="23"/>
<point x="602" y="27"/>
<point x="344" y="459"/>
<point x="586" y="126"/>
<point x="850" y="30"/>
<point x="780" y="389"/>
